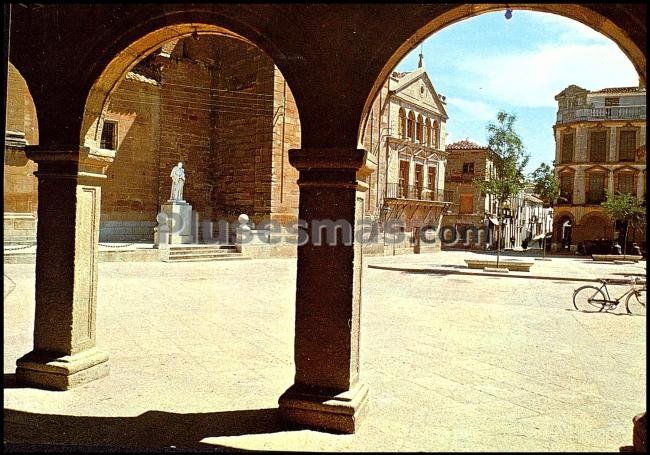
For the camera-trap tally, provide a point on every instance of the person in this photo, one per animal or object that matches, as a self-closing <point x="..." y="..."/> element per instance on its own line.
<point x="178" y="180"/>
<point x="616" y="248"/>
<point x="524" y="244"/>
<point x="636" y="250"/>
<point x="512" y="241"/>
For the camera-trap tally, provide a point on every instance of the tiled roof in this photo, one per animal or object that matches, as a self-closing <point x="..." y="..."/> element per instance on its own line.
<point x="465" y="145"/>
<point x="620" y="90"/>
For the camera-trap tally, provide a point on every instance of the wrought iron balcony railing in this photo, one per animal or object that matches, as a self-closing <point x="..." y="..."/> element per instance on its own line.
<point x="397" y="191"/>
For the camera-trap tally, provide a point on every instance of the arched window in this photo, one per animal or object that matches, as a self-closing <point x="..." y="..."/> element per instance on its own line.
<point x="435" y="135"/>
<point x="401" y="126"/>
<point x="410" y="126"/>
<point x="418" y="129"/>
<point x="427" y="133"/>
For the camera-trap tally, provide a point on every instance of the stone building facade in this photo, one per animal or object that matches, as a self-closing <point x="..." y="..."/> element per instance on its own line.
<point x="600" y="139"/>
<point x="404" y="136"/>
<point x="472" y="219"/>
<point x="217" y="104"/>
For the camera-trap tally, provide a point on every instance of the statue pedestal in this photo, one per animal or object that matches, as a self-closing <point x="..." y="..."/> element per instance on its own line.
<point x="179" y="223"/>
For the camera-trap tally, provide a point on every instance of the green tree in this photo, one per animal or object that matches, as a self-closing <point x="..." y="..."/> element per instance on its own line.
<point x="546" y="184"/>
<point x="509" y="161"/>
<point x="624" y="207"/>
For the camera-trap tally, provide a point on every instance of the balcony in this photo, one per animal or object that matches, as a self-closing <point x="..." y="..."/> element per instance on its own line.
<point x="397" y="191"/>
<point x="603" y="113"/>
<point x="595" y="197"/>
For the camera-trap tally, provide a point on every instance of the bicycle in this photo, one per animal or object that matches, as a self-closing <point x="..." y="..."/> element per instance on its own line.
<point x="592" y="299"/>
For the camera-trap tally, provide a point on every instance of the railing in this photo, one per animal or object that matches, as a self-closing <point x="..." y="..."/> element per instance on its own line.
<point x="595" y="197"/>
<point x="397" y="191"/>
<point x="603" y="113"/>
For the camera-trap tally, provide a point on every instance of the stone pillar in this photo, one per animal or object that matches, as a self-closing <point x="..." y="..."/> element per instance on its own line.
<point x="613" y="145"/>
<point x="640" y="180"/>
<point x="579" y="186"/>
<point x="610" y="181"/>
<point x="69" y="194"/>
<point x="327" y="393"/>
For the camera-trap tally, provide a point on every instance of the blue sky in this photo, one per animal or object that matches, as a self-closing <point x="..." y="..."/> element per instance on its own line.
<point x="487" y="63"/>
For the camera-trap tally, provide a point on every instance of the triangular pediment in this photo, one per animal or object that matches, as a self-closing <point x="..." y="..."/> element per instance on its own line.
<point x="416" y="87"/>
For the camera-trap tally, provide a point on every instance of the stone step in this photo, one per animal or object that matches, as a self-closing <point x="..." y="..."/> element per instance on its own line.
<point x="228" y="257"/>
<point x="201" y="253"/>
<point x="175" y="249"/>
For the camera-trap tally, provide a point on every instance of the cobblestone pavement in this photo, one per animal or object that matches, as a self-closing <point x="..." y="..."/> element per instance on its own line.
<point x="200" y="353"/>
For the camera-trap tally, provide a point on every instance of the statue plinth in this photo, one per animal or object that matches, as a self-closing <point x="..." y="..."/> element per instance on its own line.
<point x="178" y="223"/>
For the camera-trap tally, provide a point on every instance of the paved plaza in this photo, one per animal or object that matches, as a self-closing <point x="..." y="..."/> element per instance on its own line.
<point x="200" y="353"/>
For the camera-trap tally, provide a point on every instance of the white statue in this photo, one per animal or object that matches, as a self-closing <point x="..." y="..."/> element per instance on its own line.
<point x="178" y="180"/>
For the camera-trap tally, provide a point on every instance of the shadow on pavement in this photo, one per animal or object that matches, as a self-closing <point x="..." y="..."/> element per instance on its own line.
<point x="150" y="431"/>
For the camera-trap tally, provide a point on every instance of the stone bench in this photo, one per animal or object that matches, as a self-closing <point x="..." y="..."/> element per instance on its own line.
<point x="616" y="257"/>
<point x="515" y="266"/>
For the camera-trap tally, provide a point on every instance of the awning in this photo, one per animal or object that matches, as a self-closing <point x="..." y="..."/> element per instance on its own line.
<point x="494" y="221"/>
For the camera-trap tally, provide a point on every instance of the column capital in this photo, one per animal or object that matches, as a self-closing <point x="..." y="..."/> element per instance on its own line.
<point x="307" y="159"/>
<point x="70" y="161"/>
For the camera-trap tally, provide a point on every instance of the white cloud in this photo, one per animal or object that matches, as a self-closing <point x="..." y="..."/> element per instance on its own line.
<point x="532" y="79"/>
<point x="565" y="30"/>
<point x="471" y="110"/>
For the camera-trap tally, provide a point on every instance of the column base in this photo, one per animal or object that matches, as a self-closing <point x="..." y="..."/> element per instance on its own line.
<point x="48" y="371"/>
<point x="340" y="413"/>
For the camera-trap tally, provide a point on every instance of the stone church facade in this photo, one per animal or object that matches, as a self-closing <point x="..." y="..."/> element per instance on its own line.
<point x="217" y="104"/>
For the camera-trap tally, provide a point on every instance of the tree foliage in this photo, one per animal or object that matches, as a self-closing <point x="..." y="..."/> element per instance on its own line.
<point x="509" y="159"/>
<point x="624" y="207"/>
<point x="546" y="184"/>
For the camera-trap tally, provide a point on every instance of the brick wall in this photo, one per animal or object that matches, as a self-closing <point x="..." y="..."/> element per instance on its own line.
<point x="131" y="188"/>
<point x="221" y="107"/>
<point x="20" y="185"/>
<point x="286" y="136"/>
<point x="186" y="123"/>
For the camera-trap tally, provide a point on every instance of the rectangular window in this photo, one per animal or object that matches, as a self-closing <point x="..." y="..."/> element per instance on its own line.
<point x="596" y="192"/>
<point x="403" y="179"/>
<point x="109" y="136"/>
<point x="468" y="168"/>
<point x="567" y="148"/>
<point x="598" y="146"/>
<point x="612" y="101"/>
<point x="432" y="178"/>
<point x="418" y="181"/>
<point x="566" y="189"/>
<point x="626" y="145"/>
<point x="626" y="182"/>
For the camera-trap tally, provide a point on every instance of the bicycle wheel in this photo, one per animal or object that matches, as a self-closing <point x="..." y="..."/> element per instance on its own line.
<point x="589" y="299"/>
<point x="635" y="302"/>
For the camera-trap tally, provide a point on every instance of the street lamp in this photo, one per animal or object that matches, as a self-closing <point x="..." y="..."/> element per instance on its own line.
<point x="503" y="212"/>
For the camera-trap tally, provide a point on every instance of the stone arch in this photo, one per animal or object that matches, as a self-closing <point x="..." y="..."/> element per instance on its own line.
<point x="594" y="226"/>
<point x="20" y="185"/>
<point x="401" y="126"/>
<point x="586" y="15"/>
<point x="117" y="68"/>
<point x="410" y="126"/>
<point x="419" y="124"/>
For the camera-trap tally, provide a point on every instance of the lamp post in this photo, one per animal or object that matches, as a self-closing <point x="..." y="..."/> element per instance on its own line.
<point x="502" y="214"/>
